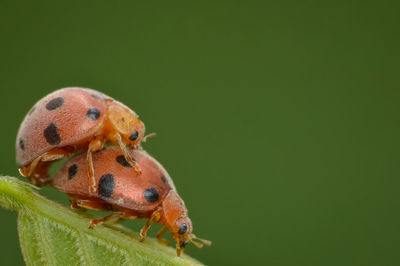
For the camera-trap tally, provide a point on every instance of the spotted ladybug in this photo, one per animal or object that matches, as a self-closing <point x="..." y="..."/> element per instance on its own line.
<point x="70" y="120"/>
<point x="128" y="195"/>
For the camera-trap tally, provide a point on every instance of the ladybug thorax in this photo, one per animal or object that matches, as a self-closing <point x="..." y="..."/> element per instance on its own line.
<point x="124" y="121"/>
<point x="175" y="215"/>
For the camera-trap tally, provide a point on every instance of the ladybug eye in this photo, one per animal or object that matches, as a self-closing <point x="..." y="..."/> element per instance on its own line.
<point x="183" y="229"/>
<point x="134" y="136"/>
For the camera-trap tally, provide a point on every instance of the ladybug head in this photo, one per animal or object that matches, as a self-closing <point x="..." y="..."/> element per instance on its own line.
<point x="136" y="134"/>
<point x="182" y="229"/>
<point x="126" y="123"/>
<point x="185" y="235"/>
<point x="179" y="223"/>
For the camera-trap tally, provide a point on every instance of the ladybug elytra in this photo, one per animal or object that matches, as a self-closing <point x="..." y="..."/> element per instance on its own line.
<point x="70" y="120"/>
<point x="150" y="195"/>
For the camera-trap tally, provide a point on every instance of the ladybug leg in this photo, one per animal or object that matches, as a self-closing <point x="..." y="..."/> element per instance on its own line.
<point x="97" y="206"/>
<point x="54" y="154"/>
<point x="127" y="156"/>
<point x="28" y="171"/>
<point x="31" y="168"/>
<point x="94" y="145"/>
<point x="159" y="236"/>
<point x="41" y="176"/>
<point x="120" y="219"/>
<point x="154" y="218"/>
<point x="38" y="170"/>
<point x="74" y="205"/>
<point x="95" y="222"/>
<point x="90" y="205"/>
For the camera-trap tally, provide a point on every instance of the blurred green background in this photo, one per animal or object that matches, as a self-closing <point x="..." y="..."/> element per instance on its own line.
<point x="278" y="121"/>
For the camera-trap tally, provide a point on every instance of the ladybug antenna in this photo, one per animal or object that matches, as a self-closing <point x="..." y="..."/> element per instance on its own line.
<point x="197" y="244"/>
<point x="149" y="136"/>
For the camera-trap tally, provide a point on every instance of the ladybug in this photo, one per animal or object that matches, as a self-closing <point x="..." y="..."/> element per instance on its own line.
<point x="71" y="120"/>
<point x="151" y="195"/>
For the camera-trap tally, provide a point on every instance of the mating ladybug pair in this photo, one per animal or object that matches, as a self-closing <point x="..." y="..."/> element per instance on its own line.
<point x="125" y="179"/>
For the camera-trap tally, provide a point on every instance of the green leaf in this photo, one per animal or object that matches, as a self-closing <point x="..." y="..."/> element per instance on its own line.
<point x="51" y="234"/>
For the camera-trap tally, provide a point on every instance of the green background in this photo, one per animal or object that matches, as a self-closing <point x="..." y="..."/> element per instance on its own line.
<point x="278" y="121"/>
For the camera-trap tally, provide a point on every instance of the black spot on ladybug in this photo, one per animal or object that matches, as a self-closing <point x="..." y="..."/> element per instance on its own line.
<point x="21" y="144"/>
<point x="164" y="179"/>
<point x="182" y="229"/>
<point x="95" y="96"/>
<point x="55" y="103"/>
<point x="51" y="134"/>
<point x="32" y="110"/>
<point x="151" y="195"/>
<point x="93" y="114"/>
<point x="122" y="161"/>
<point x="72" y="170"/>
<point x="134" y="135"/>
<point x="106" y="186"/>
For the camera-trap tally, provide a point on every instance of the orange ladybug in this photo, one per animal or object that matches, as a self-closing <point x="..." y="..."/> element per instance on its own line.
<point x="70" y="120"/>
<point x="128" y="195"/>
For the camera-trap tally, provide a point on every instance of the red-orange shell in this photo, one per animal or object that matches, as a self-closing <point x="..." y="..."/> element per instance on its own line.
<point x="61" y="118"/>
<point x="117" y="183"/>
